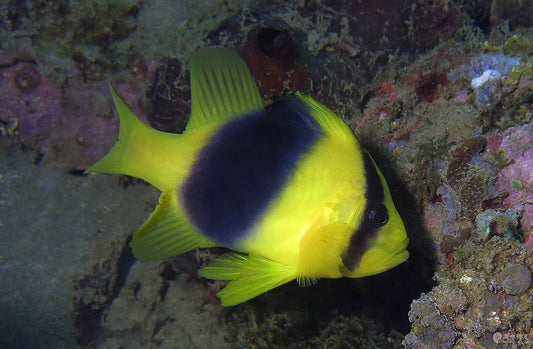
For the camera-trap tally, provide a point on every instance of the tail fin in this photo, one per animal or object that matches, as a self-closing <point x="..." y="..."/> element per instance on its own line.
<point x="141" y="151"/>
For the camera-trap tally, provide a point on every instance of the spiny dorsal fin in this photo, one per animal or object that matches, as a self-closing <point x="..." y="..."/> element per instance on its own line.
<point x="167" y="232"/>
<point x="221" y="87"/>
<point x="332" y="124"/>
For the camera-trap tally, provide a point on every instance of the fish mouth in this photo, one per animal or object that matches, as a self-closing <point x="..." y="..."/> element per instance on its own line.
<point x="399" y="253"/>
<point x="372" y="264"/>
<point x="399" y="247"/>
<point x="394" y="260"/>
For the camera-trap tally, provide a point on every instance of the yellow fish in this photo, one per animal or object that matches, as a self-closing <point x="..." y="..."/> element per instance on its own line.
<point x="288" y="188"/>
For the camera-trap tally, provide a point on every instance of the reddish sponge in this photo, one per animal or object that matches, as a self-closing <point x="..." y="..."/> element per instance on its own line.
<point x="273" y="60"/>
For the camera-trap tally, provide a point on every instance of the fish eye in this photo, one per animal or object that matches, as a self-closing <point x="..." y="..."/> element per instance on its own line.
<point x="378" y="216"/>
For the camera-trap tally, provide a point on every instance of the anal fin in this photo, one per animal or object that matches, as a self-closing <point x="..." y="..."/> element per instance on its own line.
<point x="167" y="232"/>
<point x="226" y="267"/>
<point x="254" y="275"/>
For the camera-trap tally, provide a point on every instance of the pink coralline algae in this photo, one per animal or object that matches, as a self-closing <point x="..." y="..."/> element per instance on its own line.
<point x="22" y="93"/>
<point x="72" y="124"/>
<point x="516" y="179"/>
<point x="45" y="122"/>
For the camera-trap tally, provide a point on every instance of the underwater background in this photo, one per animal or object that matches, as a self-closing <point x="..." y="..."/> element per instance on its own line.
<point x="440" y="93"/>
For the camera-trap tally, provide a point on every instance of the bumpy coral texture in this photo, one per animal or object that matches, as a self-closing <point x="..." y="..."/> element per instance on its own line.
<point x="516" y="179"/>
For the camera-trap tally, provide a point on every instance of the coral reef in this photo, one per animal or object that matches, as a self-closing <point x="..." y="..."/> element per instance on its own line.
<point x="53" y="121"/>
<point x="438" y="92"/>
<point x="488" y="14"/>
<point x="482" y="300"/>
<point x="457" y="125"/>
<point x="516" y="179"/>
<point x="489" y="70"/>
<point x="289" y="329"/>
<point x="169" y="97"/>
<point x="81" y="33"/>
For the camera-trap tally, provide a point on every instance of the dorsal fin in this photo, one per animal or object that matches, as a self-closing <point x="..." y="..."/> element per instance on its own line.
<point x="332" y="124"/>
<point x="221" y="87"/>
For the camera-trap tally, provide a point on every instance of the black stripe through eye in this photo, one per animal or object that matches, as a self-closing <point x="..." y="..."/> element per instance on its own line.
<point x="375" y="216"/>
<point x="378" y="216"/>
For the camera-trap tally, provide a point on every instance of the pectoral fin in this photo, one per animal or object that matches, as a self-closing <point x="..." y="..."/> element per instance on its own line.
<point x="320" y="249"/>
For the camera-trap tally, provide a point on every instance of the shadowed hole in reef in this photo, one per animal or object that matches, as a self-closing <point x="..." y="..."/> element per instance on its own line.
<point x="292" y="314"/>
<point x="314" y="313"/>
<point x="124" y="264"/>
<point x="87" y="323"/>
<point x="89" y="315"/>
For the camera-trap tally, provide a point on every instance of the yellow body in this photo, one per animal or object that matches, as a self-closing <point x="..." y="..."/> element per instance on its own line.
<point x="305" y="233"/>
